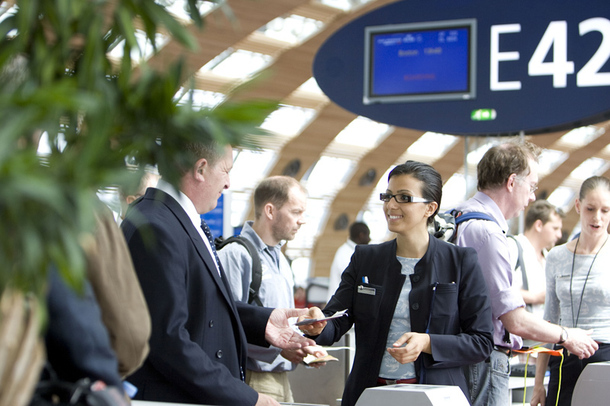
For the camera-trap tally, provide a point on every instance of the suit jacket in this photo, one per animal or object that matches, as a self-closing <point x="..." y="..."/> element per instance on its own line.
<point x="76" y="340"/>
<point x="447" y="280"/>
<point x="199" y="334"/>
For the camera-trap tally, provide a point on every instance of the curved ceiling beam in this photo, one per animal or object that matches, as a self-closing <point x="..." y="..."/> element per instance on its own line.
<point x="220" y="32"/>
<point x="294" y="66"/>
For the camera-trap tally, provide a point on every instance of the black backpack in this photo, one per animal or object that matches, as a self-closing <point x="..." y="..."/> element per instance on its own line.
<point x="446" y="224"/>
<point x="257" y="268"/>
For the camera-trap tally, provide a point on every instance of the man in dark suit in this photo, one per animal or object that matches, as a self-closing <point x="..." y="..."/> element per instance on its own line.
<point x="199" y="334"/>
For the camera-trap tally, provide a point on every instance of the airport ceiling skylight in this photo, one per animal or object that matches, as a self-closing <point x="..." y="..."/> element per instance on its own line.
<point x="345" y="5"/>
<point x="179" y="8"/>
<point x="329" y="176"/>
<point x="562" y="197"/>
<point x="288" y="120"/>
<point x="145" y="47"/>
<point x="241" y="64"/>
<point x="579" y="137"/>
<point x="590" y="167"/>
<point x="549" y="160"/>
<point x="432" y="145"/>
<point x="363" y="132"/>
<point x="311" y="86"/>
<point x="200" y="98"/>
<point x="293" y="29"/>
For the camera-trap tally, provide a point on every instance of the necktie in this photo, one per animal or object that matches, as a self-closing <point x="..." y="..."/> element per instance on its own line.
<point x="208" y="233"/>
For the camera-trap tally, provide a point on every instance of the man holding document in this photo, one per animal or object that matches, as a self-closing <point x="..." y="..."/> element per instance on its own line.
<point x="419" y="305"/>
<point x="198" y="350"/>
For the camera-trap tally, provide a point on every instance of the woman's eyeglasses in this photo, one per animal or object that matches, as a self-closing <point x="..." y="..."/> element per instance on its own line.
<point x="402" y="198"/>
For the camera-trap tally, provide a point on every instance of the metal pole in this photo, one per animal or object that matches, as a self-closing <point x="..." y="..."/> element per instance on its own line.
<point x="466" y="188"/>
<point x="522" y="214"/>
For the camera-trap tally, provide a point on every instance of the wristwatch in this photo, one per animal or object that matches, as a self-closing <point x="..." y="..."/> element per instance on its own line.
<point x="564" y="336"/>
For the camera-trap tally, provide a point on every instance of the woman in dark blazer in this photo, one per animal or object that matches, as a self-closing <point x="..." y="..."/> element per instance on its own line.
<point x="420" y="329"/>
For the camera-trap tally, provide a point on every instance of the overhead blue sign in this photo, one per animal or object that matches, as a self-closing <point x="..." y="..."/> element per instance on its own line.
<point x="473" y="67"/>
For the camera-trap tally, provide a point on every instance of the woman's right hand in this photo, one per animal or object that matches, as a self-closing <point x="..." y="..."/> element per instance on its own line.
<point x="316" y="328"/>
<point x="538" y="395"/>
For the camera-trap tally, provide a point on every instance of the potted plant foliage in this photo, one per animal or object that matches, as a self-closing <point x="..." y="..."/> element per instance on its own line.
<point x="57" y="81"/>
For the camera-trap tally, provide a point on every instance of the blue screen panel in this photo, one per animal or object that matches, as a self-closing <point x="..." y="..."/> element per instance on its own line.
<point x="415" y="62"/>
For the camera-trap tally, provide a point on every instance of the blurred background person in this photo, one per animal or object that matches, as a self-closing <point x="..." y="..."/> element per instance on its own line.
<point x="127" y="194"/>
<point x="578" y="292"/>
<point x="359" y="233"/>
<point x="543" y="224"/>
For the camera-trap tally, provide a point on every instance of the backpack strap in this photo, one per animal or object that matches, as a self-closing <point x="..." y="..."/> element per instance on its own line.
<point x="460" y="217"/>
<point x="521" y="264"/>
<point x="473" y="215"/>
<point x="257" y="268"/>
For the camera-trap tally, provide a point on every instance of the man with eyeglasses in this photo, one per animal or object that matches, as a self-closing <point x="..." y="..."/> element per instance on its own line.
<point x="507" y="179"/>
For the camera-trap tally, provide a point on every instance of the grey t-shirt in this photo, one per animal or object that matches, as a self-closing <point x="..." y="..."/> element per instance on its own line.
<point x="401" y="323"/>
<point x="578" y="300"/>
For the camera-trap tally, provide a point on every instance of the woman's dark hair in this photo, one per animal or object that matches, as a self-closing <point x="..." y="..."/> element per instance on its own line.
<point x="432" y="183"/>
<point x="593" y="183"/>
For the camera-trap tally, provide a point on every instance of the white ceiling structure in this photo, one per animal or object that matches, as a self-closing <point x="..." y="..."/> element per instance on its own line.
<point x="341" y="158"/>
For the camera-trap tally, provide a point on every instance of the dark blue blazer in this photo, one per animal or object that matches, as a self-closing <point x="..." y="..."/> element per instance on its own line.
<point x="77" y="342"/>
<point x="199" y="334"/>
<point x="460" y="325"/>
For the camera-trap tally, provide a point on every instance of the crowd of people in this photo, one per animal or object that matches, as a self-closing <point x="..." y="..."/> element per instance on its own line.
<point x="182" y="328"/>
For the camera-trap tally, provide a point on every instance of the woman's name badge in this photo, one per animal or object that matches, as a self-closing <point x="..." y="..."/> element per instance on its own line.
<point x="366" y="290"/>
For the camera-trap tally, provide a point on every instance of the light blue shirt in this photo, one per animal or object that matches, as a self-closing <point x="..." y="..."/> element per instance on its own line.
<point x="401" y="323"/>
<point x="276" y="290"/>
<point x="489" y="239"/>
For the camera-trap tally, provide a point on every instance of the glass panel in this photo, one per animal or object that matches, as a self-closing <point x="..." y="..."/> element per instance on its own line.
<point x="293" y="29"/>
<point x="288" y="120"/>
<point x="363" y="132"/>
<point x="328" y="176"/>
<point x="241" y="64"/>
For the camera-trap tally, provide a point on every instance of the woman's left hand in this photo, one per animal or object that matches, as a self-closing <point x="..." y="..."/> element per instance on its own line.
<point x="416" y="343"/>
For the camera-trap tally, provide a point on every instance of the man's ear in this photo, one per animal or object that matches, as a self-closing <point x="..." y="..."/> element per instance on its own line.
<point x="199" y="169"/>
<point x="510" y="183"/>
<point x="538" y="225"/>
<point x="269" y="211"/>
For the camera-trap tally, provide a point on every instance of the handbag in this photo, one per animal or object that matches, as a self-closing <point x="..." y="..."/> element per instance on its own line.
<point x="51" y="391"/>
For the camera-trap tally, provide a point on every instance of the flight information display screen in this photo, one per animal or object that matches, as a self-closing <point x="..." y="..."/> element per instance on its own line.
<point x="420" y="61"/>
